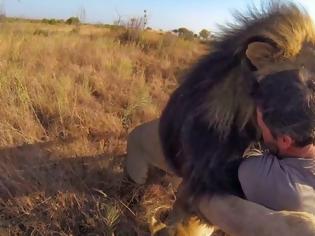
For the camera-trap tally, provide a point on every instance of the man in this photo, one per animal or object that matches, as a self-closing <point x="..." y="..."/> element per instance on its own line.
<point x="284" y="179"/>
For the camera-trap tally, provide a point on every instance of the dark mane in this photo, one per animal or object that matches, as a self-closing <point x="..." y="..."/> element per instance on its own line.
<point x="278" y="22"/>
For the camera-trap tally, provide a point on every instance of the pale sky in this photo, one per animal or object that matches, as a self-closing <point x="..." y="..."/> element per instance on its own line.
<point x="163" y="14"/>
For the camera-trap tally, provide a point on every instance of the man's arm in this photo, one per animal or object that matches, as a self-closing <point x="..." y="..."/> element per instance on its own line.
<point x="236" y="216"/>
<point x="266" y="181"/>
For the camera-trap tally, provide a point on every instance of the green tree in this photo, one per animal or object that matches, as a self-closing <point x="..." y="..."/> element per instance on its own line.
<point x="185" y="33"/>
<point x="73" y="21"/>
<point x="204" y="34"/>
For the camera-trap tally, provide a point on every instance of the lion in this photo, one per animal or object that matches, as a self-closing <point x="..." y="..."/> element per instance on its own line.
<point x="144" y="151"/>
<point x="209" y="119"/>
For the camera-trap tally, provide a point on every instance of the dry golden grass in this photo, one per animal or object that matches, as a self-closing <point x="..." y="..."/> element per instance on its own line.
<point x="69" y="96"/>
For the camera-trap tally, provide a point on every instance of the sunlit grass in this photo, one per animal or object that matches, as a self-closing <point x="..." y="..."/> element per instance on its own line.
<point x="69" y="96"/>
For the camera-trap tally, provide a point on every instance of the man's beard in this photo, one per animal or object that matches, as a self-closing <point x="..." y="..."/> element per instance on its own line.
<point x="272" y="147"/>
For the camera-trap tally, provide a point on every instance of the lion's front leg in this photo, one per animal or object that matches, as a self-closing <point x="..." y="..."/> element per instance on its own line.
<point x="190" y="226"/>
<point x="181" y="221"/>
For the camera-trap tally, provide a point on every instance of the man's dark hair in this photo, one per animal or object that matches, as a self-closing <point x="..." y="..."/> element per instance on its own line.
<point x="287" y="102"/>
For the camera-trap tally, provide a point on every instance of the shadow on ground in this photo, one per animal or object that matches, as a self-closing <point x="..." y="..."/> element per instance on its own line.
<point x="45" y="193"/>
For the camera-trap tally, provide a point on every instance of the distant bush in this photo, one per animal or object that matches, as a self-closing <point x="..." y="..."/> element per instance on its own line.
<point x="185" y="34"/>
<point x="133" y="30"/>
<point x="52" y="21"/>
<point x="115" y="27"/>
<point x="73" y="21"/>
<point x="131" y="36"/>
<point x="204" y="34"/>
<point x="156" y="41"/>
<point x="41" y="32"/>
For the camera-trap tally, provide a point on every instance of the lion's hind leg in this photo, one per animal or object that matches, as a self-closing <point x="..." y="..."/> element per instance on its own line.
<point x="180" y="221"/>
<point x="144" y="151"/>
<point x="136" y="165"/>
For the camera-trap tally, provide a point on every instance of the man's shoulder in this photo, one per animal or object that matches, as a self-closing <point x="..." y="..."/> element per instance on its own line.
<point x="258" y="172"/>
<point x="269" y="165"/>
<point x="259" y="165"/>
<point x="267" y="181"/>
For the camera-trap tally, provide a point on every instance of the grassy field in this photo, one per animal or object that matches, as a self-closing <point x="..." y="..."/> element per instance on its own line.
<point x="69" y="96"/>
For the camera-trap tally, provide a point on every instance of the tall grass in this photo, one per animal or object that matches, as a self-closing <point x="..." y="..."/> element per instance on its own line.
<point x="68" y="101"/>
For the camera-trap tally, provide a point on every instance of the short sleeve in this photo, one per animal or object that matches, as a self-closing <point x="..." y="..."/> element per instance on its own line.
<point x="265" y="181"/>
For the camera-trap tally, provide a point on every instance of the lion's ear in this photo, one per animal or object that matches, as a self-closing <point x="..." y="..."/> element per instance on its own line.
<point x="261" y="54"/>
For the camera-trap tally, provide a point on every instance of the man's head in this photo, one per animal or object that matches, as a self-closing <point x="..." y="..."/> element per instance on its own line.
<point x="286" y="110"/>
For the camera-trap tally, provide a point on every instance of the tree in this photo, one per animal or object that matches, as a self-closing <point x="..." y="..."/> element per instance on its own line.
<point x="185" y="33"/>
<point x="73" y="21"/>
<point x="204" y="34"/>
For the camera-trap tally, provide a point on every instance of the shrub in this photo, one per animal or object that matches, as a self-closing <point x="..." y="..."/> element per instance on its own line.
<point x="204" y="34"/>
<point x="52" y="21"/>
<point x="41" y="32"/>
<point x="131" y="36"/>
<point x="185" y="34"/>
<point x="73" y="21"/>
<point x="133" y="30"/>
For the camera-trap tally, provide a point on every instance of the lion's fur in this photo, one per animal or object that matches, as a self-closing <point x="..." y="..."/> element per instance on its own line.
<point x="208" y="120"/>
<point x="287" y="25"/>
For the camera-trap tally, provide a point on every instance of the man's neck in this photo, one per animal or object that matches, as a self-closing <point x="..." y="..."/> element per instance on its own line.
<point x="300" y="152"/>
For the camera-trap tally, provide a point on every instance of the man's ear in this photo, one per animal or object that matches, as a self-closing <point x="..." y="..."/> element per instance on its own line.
<point x="285" y="142"/>
<point x="261" y="54"/>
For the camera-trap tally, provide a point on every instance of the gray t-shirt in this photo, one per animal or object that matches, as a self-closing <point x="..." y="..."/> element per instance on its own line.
<point x="279" y="184"/>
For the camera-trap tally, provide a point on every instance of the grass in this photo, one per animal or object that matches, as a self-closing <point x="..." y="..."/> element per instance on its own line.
<point x="69" y="96"/>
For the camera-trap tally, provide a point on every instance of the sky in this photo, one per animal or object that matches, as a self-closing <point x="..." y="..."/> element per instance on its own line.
<point x="162" y="14"/>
